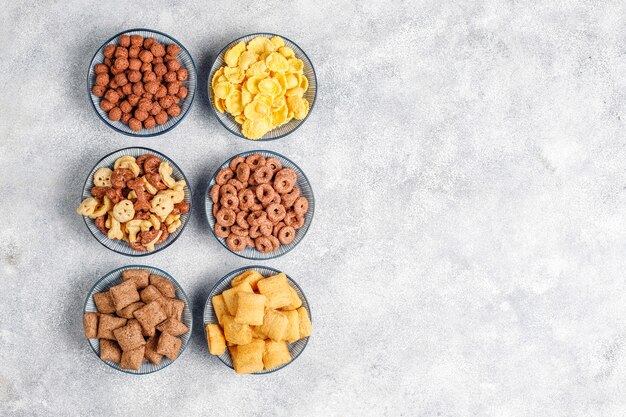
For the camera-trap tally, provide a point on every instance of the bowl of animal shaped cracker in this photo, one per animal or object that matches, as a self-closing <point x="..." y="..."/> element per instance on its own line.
<point x="257" y="320"/>
<point x="262" y="86"/>
<point x="136" y="201"/>
<point x="137" y="319"/>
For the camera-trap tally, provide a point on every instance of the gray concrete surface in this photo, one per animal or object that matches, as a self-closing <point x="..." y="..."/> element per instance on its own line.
<point x="467" y="255"/>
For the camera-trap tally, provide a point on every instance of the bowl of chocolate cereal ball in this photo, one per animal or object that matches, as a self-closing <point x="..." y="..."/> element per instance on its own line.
<point x="142" y="82"/>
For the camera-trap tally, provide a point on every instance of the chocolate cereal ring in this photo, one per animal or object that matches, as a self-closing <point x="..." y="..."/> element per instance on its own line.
<point x="221" y="231"/>
<point x="301" y="206"/>
<point x="275" y="212"/>
<point x="234" y="163"/>
<point x="255" y="161"/>
<point x="273" y="164"/>
<point x="243" y="172"/>
<point x="287" y="172"/>
<point x="284" y="183"/>
<point x="256" y="218"/>
<point x="120" y="176"/>
<point x="250" y="241"/>
<point x="215" y="193"/>
<point x="241" y="221"/>
<point x="290" y="218"/>
<point x="256" y="207"/>
<point x="254" y="232"/>
<point x="263" y="175"/>
<point x="246" y="199"/>
<point x="216" y="208"/>
<point x="224" y="175"/>
<point x="164" y="235"/>
<point x="265" y="193"/>
<point x="238" y="230"/>
<point x="298" y="223"/>
<point x="275" y="242"/>
<point x="235" y="183"/>
<point x="266" y="228"/>
<point x="286" y="235"/>
<point x="263" y="244"/>
<point x="229" y="201"/>
<point x="227" y="189"/>
<point x="276" y="200"/>
<point x="225" y="217"/>
<point x="289" y="198"/>
<point x="277" y="228"/>
<point x="236" y="243"/>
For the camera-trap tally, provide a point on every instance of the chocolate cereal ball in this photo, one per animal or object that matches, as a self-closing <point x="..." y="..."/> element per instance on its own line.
<point x="125" y="118"/>
<point x="182" y="92"/>
<point x="106" y="105"/>
<point x="136" y="40"/>
<point x="166" y="102"/>
<point x="157" y="50"/>
<point x="124" y="40"/>
<point x="141" y="115"/>
<point x="120" y="63"/>
<point x="151" y="87"/>
<point x="133" y="99"/>
<point x="99" y="90"/>
<point x="156" y="109"/>
<point x="173" y="49"/>
<point x="146" y="66"/>
<point x="138" y="88"/>
<point x="149" y="76"/>
<point x="125" y="106"/>
<point x="102" y="79"/>
<point x="146" y="56"/>
<point x="149" y="123"/>
<point x="134" y="76"/>
<point x="134" y="124"/>
<point x="127" y="89"/>
<point x="161" y="118"/>
<point x="174" y="110"/>
<point x="101" y="69"/>
<point x="159" y="69"/>
<point x="182" y="74"/>
<point x="109" y="50"/>
<point x="115" y="114"/>
<point x="121" y="52"/>
<point x="170" y="76"/>
<point x="121" y="79"/>
<point x="144" y="104"/>
<point x="134" y="64"/>
<point x="161" y="92"/>
<point x="173" y="65"/>
<point x="148" y="42"/>
<point x="112" y="96"/>
<point x="133" y="51"/>
<point x="172" y="88"/>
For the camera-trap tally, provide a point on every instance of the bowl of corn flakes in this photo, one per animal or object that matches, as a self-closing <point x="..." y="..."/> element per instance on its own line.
<point x="262" y="86"/>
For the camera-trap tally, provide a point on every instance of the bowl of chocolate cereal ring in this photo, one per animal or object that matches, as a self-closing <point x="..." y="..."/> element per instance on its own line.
<point x="136" y="201"/>
<point x="259" y="204"/>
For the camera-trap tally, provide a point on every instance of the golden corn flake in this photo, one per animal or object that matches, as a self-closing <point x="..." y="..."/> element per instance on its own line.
<point x="232" y="55"/>
<point x="276" y="62"/>
<point x="262" y="85"/>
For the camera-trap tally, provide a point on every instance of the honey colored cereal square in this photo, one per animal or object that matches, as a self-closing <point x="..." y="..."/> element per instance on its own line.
<point x="230" y="296"/>
<point x="250" y="308"/>
<point x="248" y="358"/>
<point x="275" y="354"/>
<point x="277" y="290"/>
<point x="215" y="339"/>
<point x="274" y="325"/>
<point x="235" y="333"/>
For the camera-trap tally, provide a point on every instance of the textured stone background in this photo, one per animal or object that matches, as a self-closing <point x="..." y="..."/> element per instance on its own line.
<point x="467" y="253"/>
